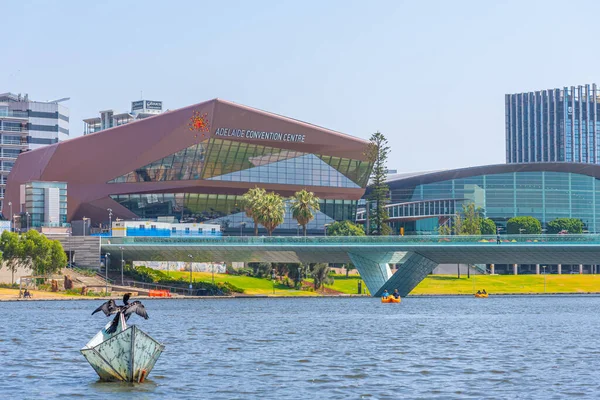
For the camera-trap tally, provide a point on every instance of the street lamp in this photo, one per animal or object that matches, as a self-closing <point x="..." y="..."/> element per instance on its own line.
<point x="109" y="221"/>
<point x="122" y="264"/>
<point x="27" y="219"/>
<point x="12" y="221"/>
<point x="69" y="231"/>
<point x="191" y="258"/>
<point x="84" y="224"/>
<point x="521" y="230"/>
<point x="325" y="228"/>
<point x="242" y="225"/>
<point x="273" y="276"/>
<point x="543" y="266"/>
<point x="106" y="270"/>
<point x="298" y="230"/>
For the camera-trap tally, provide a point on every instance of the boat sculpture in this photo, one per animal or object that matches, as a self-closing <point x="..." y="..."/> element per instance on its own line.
<point x="123" y="354"/>
<point x="390" y="299"/>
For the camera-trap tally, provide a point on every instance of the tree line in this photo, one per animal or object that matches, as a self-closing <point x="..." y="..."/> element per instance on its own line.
<point x="31" y="250"/>
<point x="472" y="222"/>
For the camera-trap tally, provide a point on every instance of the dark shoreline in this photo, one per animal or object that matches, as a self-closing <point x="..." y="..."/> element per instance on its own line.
<point x="581" y="294"/>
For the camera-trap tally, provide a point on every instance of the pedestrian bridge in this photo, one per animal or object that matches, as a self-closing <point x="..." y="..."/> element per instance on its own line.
<point x="419" y="255"/>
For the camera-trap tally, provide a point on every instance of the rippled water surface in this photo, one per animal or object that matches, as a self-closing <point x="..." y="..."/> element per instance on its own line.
<point x="501" y="347"/>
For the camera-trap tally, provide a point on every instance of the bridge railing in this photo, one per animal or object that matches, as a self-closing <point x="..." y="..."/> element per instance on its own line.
<point x="484" y="240"/>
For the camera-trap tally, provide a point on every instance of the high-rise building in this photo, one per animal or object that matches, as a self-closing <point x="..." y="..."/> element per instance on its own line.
<point x="27" y="125"/>
<point x="553" y="125"/>
<point x="109" y="119"/>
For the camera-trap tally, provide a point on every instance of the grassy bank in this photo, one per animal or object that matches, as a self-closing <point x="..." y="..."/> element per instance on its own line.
<point x="434" y="284"/>
<point x="521" y="284"/>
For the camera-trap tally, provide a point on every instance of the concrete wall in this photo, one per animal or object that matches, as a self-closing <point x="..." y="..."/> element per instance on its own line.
<point x="452" y="269"/>
<point x="85" y="250"/>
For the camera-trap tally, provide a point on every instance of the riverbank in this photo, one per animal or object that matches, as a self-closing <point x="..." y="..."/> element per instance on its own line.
<point x="509" y="284"/>
<point x="433" y="285"/>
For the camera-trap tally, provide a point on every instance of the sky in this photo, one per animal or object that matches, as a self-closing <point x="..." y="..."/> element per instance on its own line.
<point x="430" y="75"/>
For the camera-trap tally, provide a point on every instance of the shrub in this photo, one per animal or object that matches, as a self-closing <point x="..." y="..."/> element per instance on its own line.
<point x="526" y="225"/>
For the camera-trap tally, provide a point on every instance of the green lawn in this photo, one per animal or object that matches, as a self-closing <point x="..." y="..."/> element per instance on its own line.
<point x="250" y="284"/>
<point x="445" y="284"/>
<point x="346" y="285"/>
<point x="433" y="284"/>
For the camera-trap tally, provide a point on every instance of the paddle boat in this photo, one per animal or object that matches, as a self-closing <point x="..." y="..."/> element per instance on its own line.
<point x="481" y="295"/>
<point x="390" y="299"/>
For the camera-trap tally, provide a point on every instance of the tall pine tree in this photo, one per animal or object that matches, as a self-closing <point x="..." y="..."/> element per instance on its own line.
<point x="377" y="153"/>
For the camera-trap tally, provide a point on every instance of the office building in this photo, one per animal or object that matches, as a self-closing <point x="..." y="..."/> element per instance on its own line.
<point x="553" y="125"/>
<point x="27" y="125"/>
<point x="109" y="118"/>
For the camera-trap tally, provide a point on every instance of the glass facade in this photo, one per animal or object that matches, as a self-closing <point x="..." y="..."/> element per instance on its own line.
<point x="544" y="195"/>
<point x="231" y="161"/>
<point x="223" y="209"/>
<point x="184" y="165"/>
<point x="553" y="125"/>
<point x="226" y="160"/>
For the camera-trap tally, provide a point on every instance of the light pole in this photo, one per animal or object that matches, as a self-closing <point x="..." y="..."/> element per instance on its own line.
<point x="27" y="219"/>
<point x="191" y="258"/>
<point x="122" y="264"/>
<point x="106" y="270"/>
<point x="298" y="230"/>
<point x="544" y="278"/>
<point x="242" y="225"/>
<point x="273" y="276"/>
<point x="12" y="221"/>
<point x="70" y="248"/>
<point x="212" y="269"/>
<point x="109" y="221"/>
<point x="325" y="228"/>
<point x="521" y="230"/>
<point x="84" y="224"/>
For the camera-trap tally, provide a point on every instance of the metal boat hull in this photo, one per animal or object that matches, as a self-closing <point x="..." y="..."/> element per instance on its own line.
<point x="127" y="355"/>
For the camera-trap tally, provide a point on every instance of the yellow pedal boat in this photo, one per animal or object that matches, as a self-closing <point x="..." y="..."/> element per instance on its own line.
<point x="390" y="299"/>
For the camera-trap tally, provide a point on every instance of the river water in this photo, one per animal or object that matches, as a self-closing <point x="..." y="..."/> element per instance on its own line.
<point x="339" y="348"/>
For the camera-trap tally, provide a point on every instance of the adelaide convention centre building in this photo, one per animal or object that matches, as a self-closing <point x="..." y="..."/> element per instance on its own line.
<point x="192" y="164"/>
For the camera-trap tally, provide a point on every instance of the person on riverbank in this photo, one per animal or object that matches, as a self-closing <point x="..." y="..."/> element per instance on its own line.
<point x="385" y="294"/>
<point x="396" y="294"/>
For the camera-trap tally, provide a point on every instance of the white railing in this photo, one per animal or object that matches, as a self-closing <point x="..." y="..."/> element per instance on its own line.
<point x="13" y="128"/>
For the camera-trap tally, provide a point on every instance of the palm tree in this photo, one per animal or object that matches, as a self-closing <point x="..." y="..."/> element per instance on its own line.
<point x="320" y="275"/>
<point x="303" y="206"/>
<point x="271" y="211"/>
<point x="251" y="201"/>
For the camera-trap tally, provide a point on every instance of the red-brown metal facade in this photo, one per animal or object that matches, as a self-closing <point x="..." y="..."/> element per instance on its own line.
<point x="87" y="163"/>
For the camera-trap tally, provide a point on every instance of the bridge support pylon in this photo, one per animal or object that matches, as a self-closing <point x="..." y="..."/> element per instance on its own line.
<point x="376" y="273"/>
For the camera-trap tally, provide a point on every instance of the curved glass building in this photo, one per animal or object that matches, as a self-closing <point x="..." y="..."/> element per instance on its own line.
<point x="421" y="202"/>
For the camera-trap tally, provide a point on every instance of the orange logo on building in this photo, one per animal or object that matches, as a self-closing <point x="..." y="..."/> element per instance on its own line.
<point x="199" y="123"/>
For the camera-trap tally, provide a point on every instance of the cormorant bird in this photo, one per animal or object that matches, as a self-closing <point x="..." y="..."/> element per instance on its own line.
<point x="110" y="307"/>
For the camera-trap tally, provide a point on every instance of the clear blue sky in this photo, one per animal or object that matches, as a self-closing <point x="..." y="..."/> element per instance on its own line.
<point x="430" y="75"/>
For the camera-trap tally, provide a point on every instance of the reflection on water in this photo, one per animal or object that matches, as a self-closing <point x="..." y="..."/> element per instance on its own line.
<point x="504" y="347"/>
